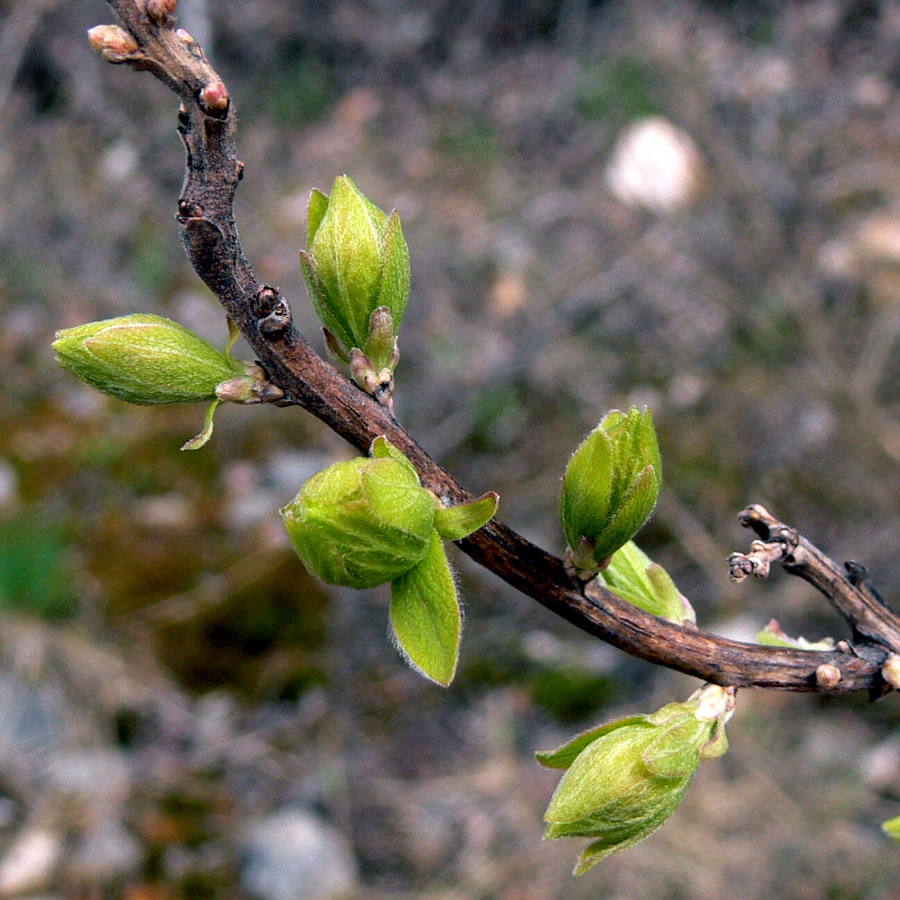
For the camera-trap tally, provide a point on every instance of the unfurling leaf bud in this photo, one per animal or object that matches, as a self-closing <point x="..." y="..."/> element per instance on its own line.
<point x="634" y="577"/>
<point x="626" y="778"/>
<point x="356" y="268"/>
<point x="146" y="359"/>
<point x="610" y="488"/>
<point x="361" y="522"/>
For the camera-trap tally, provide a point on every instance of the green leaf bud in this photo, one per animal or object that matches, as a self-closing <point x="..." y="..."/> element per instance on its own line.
<point x="610" y="488"/>
<point x="145" y="359"/>
<point x="625" y="778"/>
<point x="356" y="268"/>
<point x="361" y="522"/>
<point x="634" y="577"/>
<point x="425" y="616"/>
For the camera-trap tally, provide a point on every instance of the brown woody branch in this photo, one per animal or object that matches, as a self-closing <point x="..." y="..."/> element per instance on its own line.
<point x="150" y="41"/>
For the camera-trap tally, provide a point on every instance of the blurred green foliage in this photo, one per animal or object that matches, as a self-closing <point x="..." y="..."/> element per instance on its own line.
<point x="471" y="139"/>
<point x="571" y="694"/>
<point x="34" y="572"/>
<point x="261" y="638"/>
<point x="299" y="91"/>
<point x="624" y="87"/>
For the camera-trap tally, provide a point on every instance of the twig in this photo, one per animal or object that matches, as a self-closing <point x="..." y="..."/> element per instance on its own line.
<point x="850" y="591"/>
<point x="207" y="127"/>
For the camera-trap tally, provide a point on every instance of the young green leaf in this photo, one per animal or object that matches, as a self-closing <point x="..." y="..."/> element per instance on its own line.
<point x="202" y="439"/>
<point x="584" y="499"/>
<point x="425" y="616"/>
<point x="634" y="577"/>
<point x="382" y="448"/>
<point x="453" y="523"/>
<point x="563" y="757"/>
<point x="892" y="828"/>
<point x="773" y="635"/>
<point x="356" y="269"/>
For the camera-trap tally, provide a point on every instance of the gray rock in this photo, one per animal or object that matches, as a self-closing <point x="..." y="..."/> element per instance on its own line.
<point x="106" y="853"/>
<point x="33" y="720"/>
<point x="98" y="778"/>
<point x="294" y="855"/>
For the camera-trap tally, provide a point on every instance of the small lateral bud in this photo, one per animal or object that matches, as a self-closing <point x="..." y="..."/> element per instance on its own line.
<point x="214" y="98"/>
<point x="160" y="11"/>
<point x="113" y="43"/>
<point x="890" y="672"/>
<point x="828" y="676"/>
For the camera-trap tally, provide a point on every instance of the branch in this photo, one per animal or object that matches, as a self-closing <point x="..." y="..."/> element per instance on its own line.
<point x="150" y="42"/>
<point x="852" y="594"/>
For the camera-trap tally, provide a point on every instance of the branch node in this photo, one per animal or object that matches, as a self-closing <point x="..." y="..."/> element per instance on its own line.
<point x="265" y="300"/>
<point x="858" y="576"/>
<point x="189" y="209"/>
<point x="272" y="310"/>
<point x="757" y="562"/>
<point x="828" y="676"/>
<point x="193" y="47"/>
<point x="214" y="100"/>
<point x="767" y="527"/>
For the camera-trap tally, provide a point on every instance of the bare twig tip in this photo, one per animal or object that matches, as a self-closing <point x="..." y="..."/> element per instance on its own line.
<point x="753" y="513"/>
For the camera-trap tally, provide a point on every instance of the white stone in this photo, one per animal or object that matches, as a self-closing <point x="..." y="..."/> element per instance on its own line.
<point x="30" y="862"/>
<point x="294" y="855"/>
<point x="655" y="165"/>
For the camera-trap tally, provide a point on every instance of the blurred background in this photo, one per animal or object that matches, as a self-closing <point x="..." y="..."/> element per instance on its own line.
<point x="693" y="205"/>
